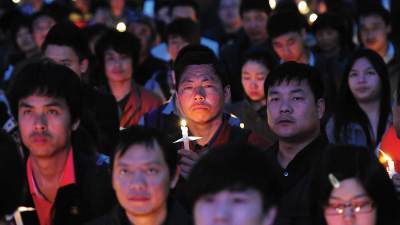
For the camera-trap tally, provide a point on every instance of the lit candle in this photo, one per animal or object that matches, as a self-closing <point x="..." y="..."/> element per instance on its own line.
<point x="390" y="164"/>
<point x="185" y="134"/>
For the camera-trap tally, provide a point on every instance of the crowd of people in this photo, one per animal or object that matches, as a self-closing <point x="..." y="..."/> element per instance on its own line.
<point x="181" y="112"/>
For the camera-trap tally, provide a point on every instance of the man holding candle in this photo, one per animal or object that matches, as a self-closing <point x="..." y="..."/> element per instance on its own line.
<point x="201" y="92"/>
<point x="396" y="124"/>
<point x="64" y="185"/>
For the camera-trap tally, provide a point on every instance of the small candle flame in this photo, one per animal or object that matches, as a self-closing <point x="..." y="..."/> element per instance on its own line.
<point x="183" y="123"/>
<point x="384" y="157"/>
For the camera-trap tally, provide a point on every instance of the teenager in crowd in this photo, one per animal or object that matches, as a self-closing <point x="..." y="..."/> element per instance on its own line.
<point x="64" y="185"/>
<point x="363" y="113"/>
<point x="144" y="168"/>
<point x="252" y="110"/>
<point x="118" y="55"/>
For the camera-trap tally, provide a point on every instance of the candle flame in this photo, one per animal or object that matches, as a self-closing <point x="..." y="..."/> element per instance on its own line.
<point x="121" y="27"/>
<point x="183" y="123"/>
<point x="241" y="125"/>
<point x="383" y="158"/>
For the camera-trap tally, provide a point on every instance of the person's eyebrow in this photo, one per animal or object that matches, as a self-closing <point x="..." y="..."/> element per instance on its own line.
<point x="357" y="196"/>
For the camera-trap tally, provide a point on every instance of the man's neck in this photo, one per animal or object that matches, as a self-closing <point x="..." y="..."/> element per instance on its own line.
<point x="288" y="149"/>
<point x="383" y="51"/>
<point x="120" y="89"/>
<point x="154" y="218"/>
<point x="232" y="28"/>
<point x="47" y="172"/>
<point x="206" y="131"/>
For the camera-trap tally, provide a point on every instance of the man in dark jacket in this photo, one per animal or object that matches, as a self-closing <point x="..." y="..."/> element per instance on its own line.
<point x="144" y="169"/>
<point x="295" y="106"/>
<point x="64" y="186"/>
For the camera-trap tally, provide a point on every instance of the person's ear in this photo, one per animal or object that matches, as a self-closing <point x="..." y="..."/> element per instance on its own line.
<point x="83" y="66"/>
<point x="175" y="178"/>
<point x="269" y="216"/>
<point x="75" y="125"/>
<point x="320" y="107"/>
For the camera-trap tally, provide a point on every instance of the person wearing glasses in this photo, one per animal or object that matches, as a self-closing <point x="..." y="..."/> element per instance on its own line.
<point x="352" y="187"/>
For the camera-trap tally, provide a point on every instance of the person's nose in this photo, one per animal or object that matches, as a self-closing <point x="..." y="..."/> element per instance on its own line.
<point x="221" y="213"/>
<point x="348" y="216"/>
<point x="137" y="181"/>
<point x="285" y="106"/>
<point x="199" y="94"/>
<point x="40" y="122"/>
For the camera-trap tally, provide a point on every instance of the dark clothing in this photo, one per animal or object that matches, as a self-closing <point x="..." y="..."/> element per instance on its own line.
<point x="148" y="68"/>
<point x="254" y="120"/>
<point x="176" y="215"/>
<point x="100" y="119"/>
<point x="293" y="183"/>
<point x="219" y="34"/>
<point x="225" y="134"/>
<point x="90" y="197"/>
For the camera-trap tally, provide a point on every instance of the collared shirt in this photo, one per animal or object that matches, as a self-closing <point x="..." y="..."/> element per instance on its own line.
<point x="293" y="183"/>
<point x="44" y="206"/>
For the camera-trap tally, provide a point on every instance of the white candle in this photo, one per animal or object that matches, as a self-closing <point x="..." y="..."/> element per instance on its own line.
<point x="390" y="168"/>
<point x="185" y="134"/>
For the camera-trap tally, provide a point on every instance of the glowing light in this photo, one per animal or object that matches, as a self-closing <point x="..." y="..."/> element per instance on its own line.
<point x="183" y="123"/>
<point x="16" y="1"/>
<point x="241" y="125"/>
<point x="303" y="7"/>
<point x="272" y="4"/>
<point x="312" y="18"/>
<point x="121" y="27"/>
<point x="390" y="163"/>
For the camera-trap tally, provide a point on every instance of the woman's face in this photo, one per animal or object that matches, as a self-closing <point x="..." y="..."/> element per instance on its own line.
<point x="364" y="81"/>
<point x="253" y="78"/>
<point x="25" y="40"/>
<point x="118" y="67"/>
<point x="350" y="205"/>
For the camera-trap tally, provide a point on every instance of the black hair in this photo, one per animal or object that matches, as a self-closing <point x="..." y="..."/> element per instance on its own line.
<point x="21" y="21"/>
<point x="293" y="71"/>
<point x="69" y="35"/>
<point x="345" y="162"/>
<point x="258" y="5"/>
<point x="185" y="28"/>
<point x="11" y="173"/>
<point x="150" y="138"/>
<point x="284" y="21"/>
<point x="370" y="8"/>
<point x="121" y="42"/>
<point x="188" y="3"/>
<point x="194" y="54"/>
<point x="45" y="78"/>
<point x="231" y="167"/>
<point x="334" y="21"/>
<point x="262" y="56"/>
<point x="349" y="110"/>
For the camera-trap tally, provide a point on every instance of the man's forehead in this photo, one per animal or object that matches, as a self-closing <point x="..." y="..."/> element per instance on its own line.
<point x="141" y="152"/>
<point x="43" y="99"/>
<point x="199" y="72"/>
<point x="290" y="85"/>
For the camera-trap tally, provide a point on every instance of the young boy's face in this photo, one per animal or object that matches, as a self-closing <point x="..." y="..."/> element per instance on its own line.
<point x="232" y="208"/>
<point x="289" y="46"/>
<point x="374" y="32"/>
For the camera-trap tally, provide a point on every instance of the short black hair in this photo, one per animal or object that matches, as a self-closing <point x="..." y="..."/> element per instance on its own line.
<point x="195" y="54"/>
<point x="47" y="79"/>
<point x="185" y="28"/>
<point x="188" y="3"/>
<point x="258" y="5"/>
<point x="121" y="42"/>
<point x="69" y="35"/>
<point x="293" y="71"/>
<point x="260" y="55"/>
<point x="11" y="173"/>
<point x="231" y="167"/>
<point x="370" y="8"/>
<point x="149" y="137"/>
<point x="284" y="21"/>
